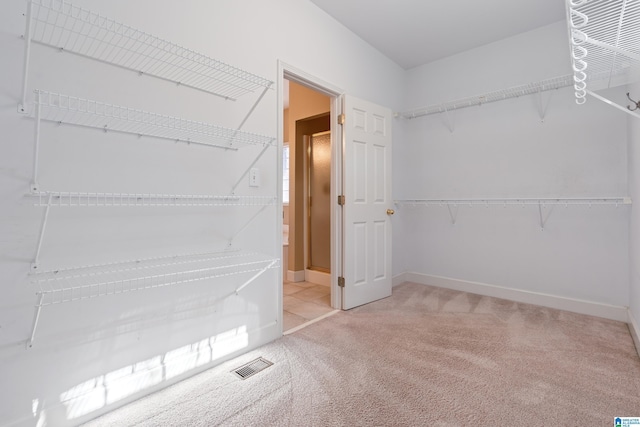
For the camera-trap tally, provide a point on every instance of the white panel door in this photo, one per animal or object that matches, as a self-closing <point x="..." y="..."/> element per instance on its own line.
<point x="367" y="190"/>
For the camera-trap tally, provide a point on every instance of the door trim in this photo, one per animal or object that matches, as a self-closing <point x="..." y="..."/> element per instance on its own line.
<point x="292" y="73"/>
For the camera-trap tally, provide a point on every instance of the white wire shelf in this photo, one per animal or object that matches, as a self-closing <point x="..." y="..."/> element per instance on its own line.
<point x="617" y="201"/>
<point x="94" y="281"/>
<point x="65" y="109"/>
<point x="81" y="199"/>
<point x="78" y="283"/>
<point x="498" y="95"/>
<point x="542" y="204"/>
<point x="604" y="37"/>
<point x="60" y="24"/>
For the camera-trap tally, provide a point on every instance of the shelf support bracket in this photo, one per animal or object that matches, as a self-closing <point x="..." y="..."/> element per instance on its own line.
<point x="448" y="119"/>
<point x="542" y="108"/>
<point x="613" y="104"/>
<point x="255" y="276"/>
<point x="543" y="219"/>
<point x="22" y="107"/>
<point x="36" y="145"/>
<point x="36" y="260"/>
<point x="36" y="318"/>
<point x="264" y="150"/>
<point x="232" y="238"/>
<point x="255" y="104"/>
<point x="453" y="213"/>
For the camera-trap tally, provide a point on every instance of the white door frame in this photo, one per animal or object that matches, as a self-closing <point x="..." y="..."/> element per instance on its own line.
<point x="334" y="93"/>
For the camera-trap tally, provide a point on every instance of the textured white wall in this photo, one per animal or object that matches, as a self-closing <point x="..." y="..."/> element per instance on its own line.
<point x="130" y="336"/>
<point x="502" y="150"/>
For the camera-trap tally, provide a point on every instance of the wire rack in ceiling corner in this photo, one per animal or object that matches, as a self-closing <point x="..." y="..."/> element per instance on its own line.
<point x="604" y="39"/>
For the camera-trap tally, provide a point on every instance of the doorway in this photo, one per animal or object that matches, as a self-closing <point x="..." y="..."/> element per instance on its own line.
<point x="307" y="215"/>
<point x="360" y="194"/>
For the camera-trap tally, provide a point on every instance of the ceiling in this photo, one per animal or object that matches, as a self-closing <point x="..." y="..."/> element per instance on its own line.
<point x="415" y="32"/>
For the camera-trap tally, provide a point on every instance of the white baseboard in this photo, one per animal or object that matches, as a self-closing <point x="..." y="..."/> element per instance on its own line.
<point x="605" y="311"/>
<point x="295" y="276"/>
<point x="397" y="279"/>
<point x="317" y="277"/>
<point x="634" y="328"/>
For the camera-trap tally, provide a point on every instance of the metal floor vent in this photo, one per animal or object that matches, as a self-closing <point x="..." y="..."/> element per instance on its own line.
<point x="252" y="368"/>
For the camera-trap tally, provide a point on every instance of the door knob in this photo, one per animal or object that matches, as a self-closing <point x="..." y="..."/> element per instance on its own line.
<point x="390" y="211"/>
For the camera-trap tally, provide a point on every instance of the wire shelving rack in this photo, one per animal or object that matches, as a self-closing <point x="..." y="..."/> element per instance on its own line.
<point x="68" y="28"/>
<point x="65" y="109"/>
<point x="574" y="201"/>
<point x="542" y="203"/>
<point x="60" y="24"/>
<point x="494" y="96"/>
<point x="604" y="41"/>
<point x="88" y="199"/>
<point x="93" y="281"/>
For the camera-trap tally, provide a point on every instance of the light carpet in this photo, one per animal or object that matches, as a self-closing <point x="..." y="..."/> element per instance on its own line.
<point x="425" y="356"/>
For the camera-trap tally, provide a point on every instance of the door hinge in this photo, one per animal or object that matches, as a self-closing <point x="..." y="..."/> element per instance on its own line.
<point x="341" y="119"/>
<point x="341" y="200"/>
<point x="341" y="281"/>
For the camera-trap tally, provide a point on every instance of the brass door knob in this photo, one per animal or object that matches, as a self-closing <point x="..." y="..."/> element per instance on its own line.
<point x="390" y="211"/>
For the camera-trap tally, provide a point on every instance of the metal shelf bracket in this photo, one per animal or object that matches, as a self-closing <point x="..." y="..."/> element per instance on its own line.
<point x="448" y="119"/>
<point x="543" y="219"/>
<point x="453" y="213"/>
<point x="255" y="276"/>
<point x="22" y="106"/>
<point x="43" y="226"/>
<point x="542" y="106"/>
<point x="36" y="319"/>
<point x="247" y="224"/>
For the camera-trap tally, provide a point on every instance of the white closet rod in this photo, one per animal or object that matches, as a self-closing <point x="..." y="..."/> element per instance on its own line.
<point x="518" y="201"/>
<point x="498" y="95"/>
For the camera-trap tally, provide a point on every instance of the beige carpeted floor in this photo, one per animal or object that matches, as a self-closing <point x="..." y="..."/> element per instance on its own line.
<point x="423" y="357"/>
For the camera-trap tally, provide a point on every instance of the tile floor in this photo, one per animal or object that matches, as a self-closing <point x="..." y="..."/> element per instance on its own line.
<point x="304" y="301"/>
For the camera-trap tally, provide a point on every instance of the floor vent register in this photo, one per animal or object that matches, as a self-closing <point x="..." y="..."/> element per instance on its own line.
<point x="252" y="368"/>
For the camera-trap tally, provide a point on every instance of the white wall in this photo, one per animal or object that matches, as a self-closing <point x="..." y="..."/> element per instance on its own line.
<point x="503" y="150"/>
<point x="634" y="234"/>
<point x="129" y="337"/>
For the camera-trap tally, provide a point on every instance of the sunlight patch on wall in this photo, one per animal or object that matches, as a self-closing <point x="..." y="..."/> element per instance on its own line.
<point x="37" y="413"/>
<point x="109" y="388"/>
